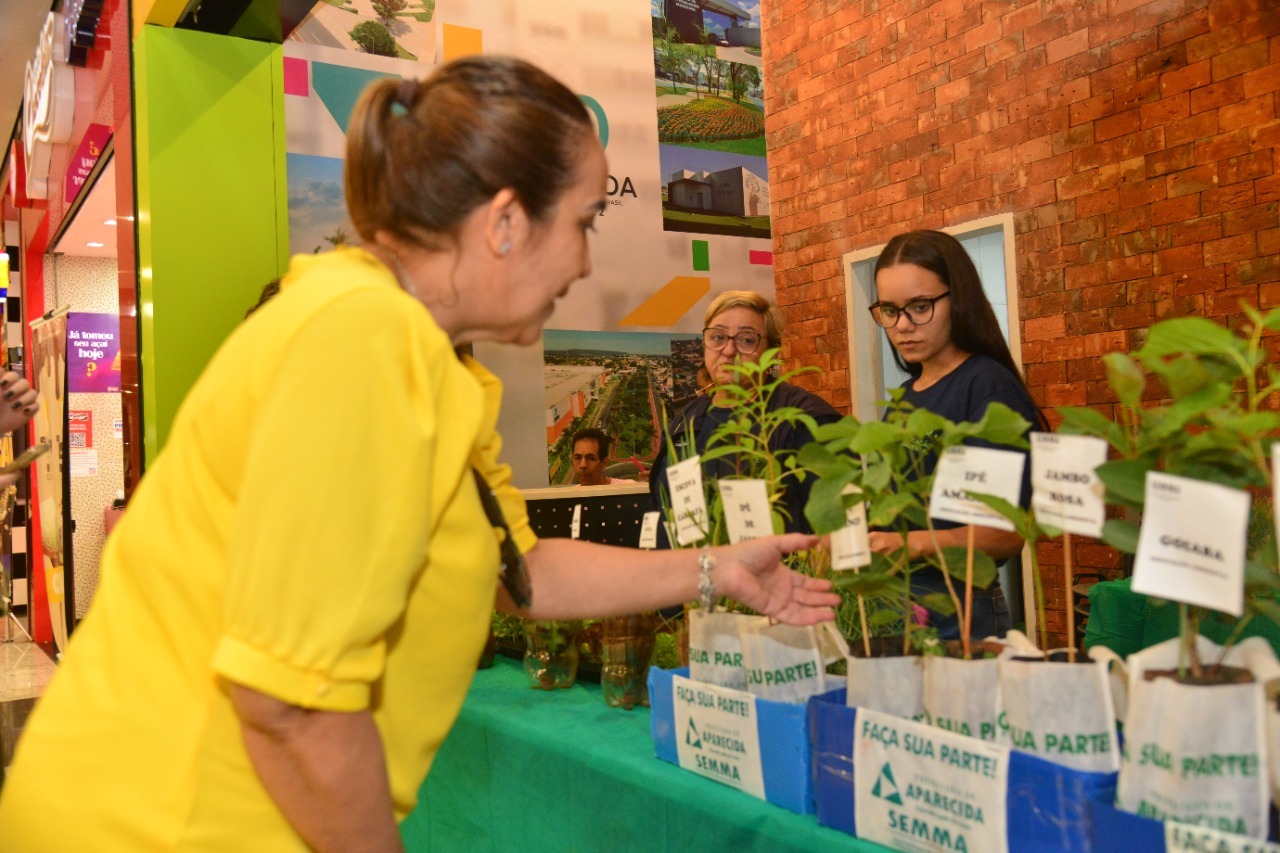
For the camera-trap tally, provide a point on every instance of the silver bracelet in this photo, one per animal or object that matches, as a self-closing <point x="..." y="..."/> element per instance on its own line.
<point x="706" y="586"/>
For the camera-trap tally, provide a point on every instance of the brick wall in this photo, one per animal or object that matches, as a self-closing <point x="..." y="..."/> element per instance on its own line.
<point x="1136" y="144"/>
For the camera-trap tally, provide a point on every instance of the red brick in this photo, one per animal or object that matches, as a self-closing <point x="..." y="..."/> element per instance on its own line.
<point x="1250" y="112"/>
<point x="1136" y="94"/>
<point x="1099" y="202"/>
<point x="1222" y="146"/>
<point x="1175" y="210"/>
<point x="1185" y="79"/>
<point x="1194" y="282"/>
<point x="1180" y="258"/>
<point x="1044" y="328"/>
<point x="1200" y="230"/>
<point x="1246" y="168"/>
<point x="1261" y="82"/>
<point x="1228" y="91"/>
<point x="1091" y="108"/>
<point x="1127" y="269"/>
<point x="1269" y="296"/>
<point x="1181" y="306"/>
<point x="1165" y="110"/>
<point x="1068" y="45"/>
<point x="1072" y="394"/>
<point x="1131" y="316"/>
<point x="1238" y="248"/>
<point x="1109" y="295"/>
<point x="1195" y="180"/>
<point x="1105" y="342"/>
<point x="1191" y="129"/>
<point x="1250" y="57"/>
<point x="1086" y="275"/>
<point x="1141" y="192"/>
<point x="1046" y="373"/>
<point x="1254" y="271"/>
<point x="1171" y="160"/>
<point x="1120" y="124"/>
<point x="1230" y="197"/>
<point x="1213" y="43"/>
<point x="1224" y="302"/>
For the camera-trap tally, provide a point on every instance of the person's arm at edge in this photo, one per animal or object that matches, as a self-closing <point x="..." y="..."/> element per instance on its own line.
<point x="325" y="770"/>
<point x="998" y="544"/>
<point x="576" y="579"/>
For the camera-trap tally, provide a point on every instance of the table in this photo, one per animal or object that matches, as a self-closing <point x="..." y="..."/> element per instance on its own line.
<point x="528" y="770"/>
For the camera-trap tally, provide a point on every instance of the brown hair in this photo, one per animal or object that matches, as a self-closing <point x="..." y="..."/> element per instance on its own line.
<point x="754" y="301"/>
<point x="423" y="154"/>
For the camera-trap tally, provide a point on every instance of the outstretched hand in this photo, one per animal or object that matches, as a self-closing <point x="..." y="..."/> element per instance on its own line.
<point x="17" y="401"/>
<point x="753" y="573"/>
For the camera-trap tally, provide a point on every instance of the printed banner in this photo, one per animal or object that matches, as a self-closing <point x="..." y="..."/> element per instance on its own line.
<point x="93" y="353"/>
<point x="49" y="364"/>
<point x="717" y="735"/>
<point x="676" y="92"/>
<point x="920" y="789"/>
<point x="1185" y="838"/>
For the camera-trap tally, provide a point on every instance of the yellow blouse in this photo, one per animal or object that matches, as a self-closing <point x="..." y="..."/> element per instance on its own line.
<point x="311" y="531"/>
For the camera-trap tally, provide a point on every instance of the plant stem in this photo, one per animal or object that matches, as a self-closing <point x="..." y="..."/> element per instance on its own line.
<point x="1067" y="571"/>
<point x="968" y="593"/>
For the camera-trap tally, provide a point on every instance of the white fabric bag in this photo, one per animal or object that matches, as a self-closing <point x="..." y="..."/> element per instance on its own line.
<point x="1194" y="753"/>
<point x="1059" y="711"/>
<point x="963" y="696"/>
<point x="788" y="663"/>
<point x="715" y="647"/>
<point x="892" y="685"/>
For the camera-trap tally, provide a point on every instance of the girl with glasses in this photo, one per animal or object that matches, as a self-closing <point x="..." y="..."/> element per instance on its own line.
<point x="293" y="605"/>
<point x="738" y="327"/>
<point x="944" y="333"/>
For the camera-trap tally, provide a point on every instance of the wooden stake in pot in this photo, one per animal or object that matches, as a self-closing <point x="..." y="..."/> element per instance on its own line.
<point x="1071" y="622"/>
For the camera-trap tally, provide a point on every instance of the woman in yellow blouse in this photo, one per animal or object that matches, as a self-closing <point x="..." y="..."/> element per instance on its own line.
<point x="291" y="609"/>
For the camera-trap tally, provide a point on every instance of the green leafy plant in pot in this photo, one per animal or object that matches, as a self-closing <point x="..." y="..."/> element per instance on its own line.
<point x="1189" y="697"/>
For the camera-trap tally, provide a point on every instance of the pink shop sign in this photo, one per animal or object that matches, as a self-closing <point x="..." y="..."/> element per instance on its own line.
<point x="82" y="162"/>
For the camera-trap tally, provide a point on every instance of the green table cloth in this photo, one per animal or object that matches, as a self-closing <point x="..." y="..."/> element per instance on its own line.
<point x="528" y="770"/>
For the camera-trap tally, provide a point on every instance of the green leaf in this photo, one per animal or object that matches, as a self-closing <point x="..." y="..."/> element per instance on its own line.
<point x="1173" y="419"/>
<point x="1002" y="425"/>
<point x="1121" y="534"/>
<point x="1023" y="521"/>
<point x="881" y="618"/>
<point x="841" y="431"/>
<point x="984" y="568"/>
<point x="1259" y="577"/>
<point x="1266" y="608"/>
<point x="1189" y="335"/>
<point x="1125" y="377"/>
<point x="938" y="602"/>
<point x="825" y="508"/>
<point x="925" y="422"/>
<point x="1080" y="420"/>
<point x="822" y="461"/>
<point x="867" y="584"/>
<point x="1125" y="479"/>
<point x="874" y="436"/>
<point x="887" y="507"/>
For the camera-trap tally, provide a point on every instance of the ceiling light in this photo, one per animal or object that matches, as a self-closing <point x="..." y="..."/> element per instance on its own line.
<point x="93" y="244"/>
<point x="108" y="222"/>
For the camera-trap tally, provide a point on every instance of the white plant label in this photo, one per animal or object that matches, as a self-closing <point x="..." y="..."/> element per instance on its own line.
<point x="575" y="526"/>
<point x="649" y="530"/>
<point x="919" y="788"/>
<point x="1065" y="490"/>
<point x="985" y="470"/>
<point x="850" y="548"/>
<point x="746" y="509"/>
<point x="1192" y="545"/>
<point x="717" y="735"/>
<point x="688" y="503"/>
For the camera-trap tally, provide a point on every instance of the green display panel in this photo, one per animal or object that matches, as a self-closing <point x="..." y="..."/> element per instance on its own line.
<point x="212" y="206"/>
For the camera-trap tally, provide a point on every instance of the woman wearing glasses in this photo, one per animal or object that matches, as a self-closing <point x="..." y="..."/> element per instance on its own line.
<point x="292" y="608"/>
<point x="945" y="335"/>
<point x="738" y="327"/>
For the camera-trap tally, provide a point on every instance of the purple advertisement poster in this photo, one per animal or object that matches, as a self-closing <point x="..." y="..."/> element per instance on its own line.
<point x="93" y="353"/>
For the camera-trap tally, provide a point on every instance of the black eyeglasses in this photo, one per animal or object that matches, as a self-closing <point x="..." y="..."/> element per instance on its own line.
<point x="717" y="339"/>
<point x="511" y="566"/>
<point x="918" y="311"/>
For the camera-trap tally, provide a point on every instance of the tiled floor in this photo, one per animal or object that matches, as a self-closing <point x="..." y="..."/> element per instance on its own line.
<point x="25" y="669"/>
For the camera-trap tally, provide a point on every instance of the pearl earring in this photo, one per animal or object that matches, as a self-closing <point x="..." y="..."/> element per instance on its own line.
<point x="505" y="248"/>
